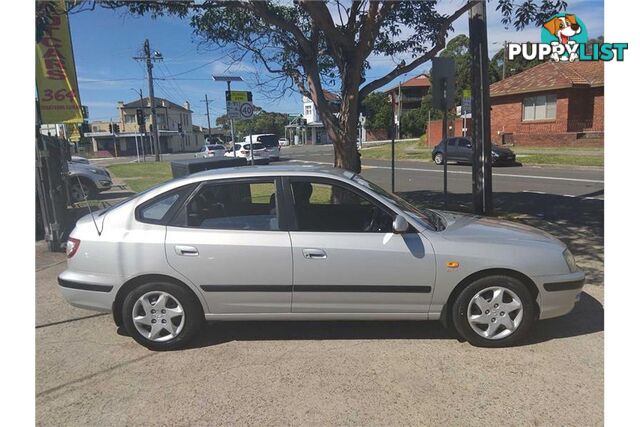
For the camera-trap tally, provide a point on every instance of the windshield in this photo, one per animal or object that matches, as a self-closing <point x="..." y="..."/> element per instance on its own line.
<point x="268" y="140"/>
<point x="431" y="219"/>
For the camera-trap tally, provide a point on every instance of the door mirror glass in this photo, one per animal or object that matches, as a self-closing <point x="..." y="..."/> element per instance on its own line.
<point x="400" y="224"/>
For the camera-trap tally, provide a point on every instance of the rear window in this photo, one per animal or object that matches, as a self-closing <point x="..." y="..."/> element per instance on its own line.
<point x="268" y="140"/>
<point x="256" y="146"/>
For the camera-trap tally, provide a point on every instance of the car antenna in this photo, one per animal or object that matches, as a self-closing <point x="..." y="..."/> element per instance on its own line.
<point x="84" y="197"/>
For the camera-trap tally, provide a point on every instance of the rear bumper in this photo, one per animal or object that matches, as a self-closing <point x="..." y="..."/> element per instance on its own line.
<point x="87" y="291"/>
<point x="559" y="294"/>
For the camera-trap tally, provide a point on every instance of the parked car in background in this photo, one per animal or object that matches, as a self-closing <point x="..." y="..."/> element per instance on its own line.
<point x="283" y="142"/>
<point x="270" y="142"/>
<point x="87" y="180"/>
<point x="460" y="149"/>
<point x="82" y="160"/>
<point x="211" y="150"/>
<point x="316" y="244"/>
<point x="244" y="150"/>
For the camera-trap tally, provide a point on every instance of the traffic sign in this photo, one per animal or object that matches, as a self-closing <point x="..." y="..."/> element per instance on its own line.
<point x="239" y="104"/>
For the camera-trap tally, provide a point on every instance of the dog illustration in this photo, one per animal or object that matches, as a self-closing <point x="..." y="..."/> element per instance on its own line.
<point x="564" y="27"/>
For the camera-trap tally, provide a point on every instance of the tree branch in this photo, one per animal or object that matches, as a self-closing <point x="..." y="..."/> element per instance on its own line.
<point x="403" y="69"/>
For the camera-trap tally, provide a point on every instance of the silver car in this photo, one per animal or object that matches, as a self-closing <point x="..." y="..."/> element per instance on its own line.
<point x="305" y="242"/>
<point x="86" y="180"/>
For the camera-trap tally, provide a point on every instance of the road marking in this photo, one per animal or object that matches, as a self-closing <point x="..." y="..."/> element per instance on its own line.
<point x="508" y="175"/>
<point x="600" y="199"/>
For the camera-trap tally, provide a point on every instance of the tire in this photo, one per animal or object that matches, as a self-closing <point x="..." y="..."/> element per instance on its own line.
<point x="497" y="332"/>
<point x="78" y="188"/>
<point x="438" y="159"/>
<point x="183" y="327"/>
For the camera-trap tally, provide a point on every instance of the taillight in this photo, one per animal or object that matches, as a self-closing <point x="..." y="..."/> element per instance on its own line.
<point x="72" y="246"/>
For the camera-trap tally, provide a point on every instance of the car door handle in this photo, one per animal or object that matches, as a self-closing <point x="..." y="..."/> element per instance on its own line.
<point x="314" y="253"/>
<point x="186" y="250"/>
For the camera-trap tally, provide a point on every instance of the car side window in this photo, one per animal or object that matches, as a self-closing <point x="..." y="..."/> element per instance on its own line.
<point x="465" y="143"/>
<point x="451" y="142"/>
<point x="322" y="206"/>
<point x="233" y="206"/>
<point x="158" y="209"/>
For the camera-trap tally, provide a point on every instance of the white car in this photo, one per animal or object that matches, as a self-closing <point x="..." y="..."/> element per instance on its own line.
<point x="211" y="150"/>
<point x="270" y="142"/>
<point x="283" y="142"/>
<point x="244" y="150"/>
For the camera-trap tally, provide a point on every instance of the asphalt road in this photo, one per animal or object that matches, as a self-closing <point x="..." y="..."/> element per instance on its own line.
<point x="313" y="373"/>
<point x="416" y="175"/>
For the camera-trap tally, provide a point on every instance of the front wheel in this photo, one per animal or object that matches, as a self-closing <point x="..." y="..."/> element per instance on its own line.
<point x="494" y="311"/>
<point x="438" y="159"/>
<point x="80" y="190"/>
<point x="161" y="315"/>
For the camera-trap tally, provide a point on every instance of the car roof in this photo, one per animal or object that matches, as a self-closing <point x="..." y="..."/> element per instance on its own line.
<point x="270" y="170"/>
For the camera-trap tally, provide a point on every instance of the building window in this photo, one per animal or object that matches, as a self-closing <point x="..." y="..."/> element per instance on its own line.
<point x="541" y="107"/>
<point x="307" y="110"/>
<point x="128" y="118"/>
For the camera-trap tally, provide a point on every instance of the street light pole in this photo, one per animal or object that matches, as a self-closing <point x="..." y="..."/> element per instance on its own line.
<point x="480" y="106"/>
<point x="229" y="79"/>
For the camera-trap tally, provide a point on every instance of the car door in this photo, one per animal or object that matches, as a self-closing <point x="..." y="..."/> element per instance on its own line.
<point x="465" y="150"/>
<point x="452" y="149"/>
<point x="346" y="258"/>
<point x="228" y="241"/>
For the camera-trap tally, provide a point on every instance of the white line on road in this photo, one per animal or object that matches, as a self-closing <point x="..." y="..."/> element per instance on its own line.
<point x="553" y="178"/>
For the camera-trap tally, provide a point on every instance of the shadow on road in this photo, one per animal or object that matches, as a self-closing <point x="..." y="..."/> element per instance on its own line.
<point x="577" y="221"/>
<point x="587" y="318"/>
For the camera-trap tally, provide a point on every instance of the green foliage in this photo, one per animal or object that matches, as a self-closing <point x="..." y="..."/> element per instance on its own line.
<point x="380" y="113"/>
<point x="263" y="122"/>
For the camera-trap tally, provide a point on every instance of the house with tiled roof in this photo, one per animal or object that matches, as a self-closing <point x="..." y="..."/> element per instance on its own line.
<point x="408" y="95"/>
<point x="553" y="103"/>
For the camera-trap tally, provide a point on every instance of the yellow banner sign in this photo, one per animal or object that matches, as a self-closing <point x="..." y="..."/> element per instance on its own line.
<point x="56" y="80"/>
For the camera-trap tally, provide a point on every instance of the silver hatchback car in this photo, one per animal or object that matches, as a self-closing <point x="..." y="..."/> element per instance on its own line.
<point x="305" y="242"/>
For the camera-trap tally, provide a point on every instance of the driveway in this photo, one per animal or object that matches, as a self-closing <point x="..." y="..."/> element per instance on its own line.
<point x="313" y="372"/>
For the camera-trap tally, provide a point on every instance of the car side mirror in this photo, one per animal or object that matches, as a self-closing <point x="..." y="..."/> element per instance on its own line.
<point x="400" y="224"/>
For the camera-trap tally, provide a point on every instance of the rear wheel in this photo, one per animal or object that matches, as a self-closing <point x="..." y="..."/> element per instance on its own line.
<point x="161" y="315"/>
<point x="438" y="159"/>
<point x="494" y="311"/>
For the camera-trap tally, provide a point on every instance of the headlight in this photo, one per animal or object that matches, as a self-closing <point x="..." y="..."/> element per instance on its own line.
<point x="571" y="261"/>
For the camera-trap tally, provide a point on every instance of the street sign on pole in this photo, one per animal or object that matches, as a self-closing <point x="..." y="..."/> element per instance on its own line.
<point x="239" y="104"/>
<point x="443" y="83"/>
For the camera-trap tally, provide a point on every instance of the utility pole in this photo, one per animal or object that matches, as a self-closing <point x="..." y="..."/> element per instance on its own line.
<point x="480" y="107"/>
<point x="148" y="59"/>
<point x="206" y="101"/>
<point x="144" y="130"/>
<point x="504" y="60"/>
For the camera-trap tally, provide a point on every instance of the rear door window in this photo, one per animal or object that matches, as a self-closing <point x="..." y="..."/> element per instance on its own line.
<point x="246" y="205"/>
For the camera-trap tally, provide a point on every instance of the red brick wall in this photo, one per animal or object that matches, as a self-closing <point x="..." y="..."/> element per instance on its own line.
<point x="455" y="129"/>
<point x="577" y="110"/>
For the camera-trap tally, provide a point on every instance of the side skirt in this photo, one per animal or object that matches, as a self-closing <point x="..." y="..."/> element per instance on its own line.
<point x="320" y="316"/>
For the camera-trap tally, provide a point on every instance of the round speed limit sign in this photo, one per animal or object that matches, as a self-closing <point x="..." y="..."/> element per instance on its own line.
<point x="246" y="110"/>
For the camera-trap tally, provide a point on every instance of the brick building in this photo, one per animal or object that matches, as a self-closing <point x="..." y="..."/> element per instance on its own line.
<point x="553" y="103"/>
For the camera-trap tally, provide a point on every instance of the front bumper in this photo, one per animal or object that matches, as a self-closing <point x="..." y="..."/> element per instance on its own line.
<point x="87" y="291"/>
<point x="559" y="294"/>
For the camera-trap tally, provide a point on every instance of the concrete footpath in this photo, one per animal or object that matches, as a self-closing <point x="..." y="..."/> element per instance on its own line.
<point x="382" y="373"/>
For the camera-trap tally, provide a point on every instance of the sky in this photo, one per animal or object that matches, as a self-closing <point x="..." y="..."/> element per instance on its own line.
<point x="105" y="42"/>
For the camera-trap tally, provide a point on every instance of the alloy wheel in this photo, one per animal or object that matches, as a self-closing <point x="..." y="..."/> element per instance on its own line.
<point x="158" y="316"/>
<point x="495" y="312"/>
